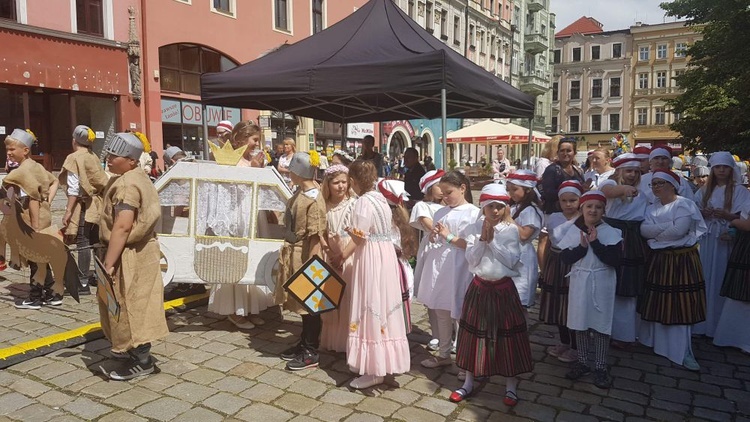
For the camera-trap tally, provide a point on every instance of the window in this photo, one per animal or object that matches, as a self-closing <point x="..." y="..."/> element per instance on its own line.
<point x="481" y="42"/>
<point x="596" y="123"/>
<point x="680" y="49"/>
<point x="317" y="15"/>
<point x="411" y="9"/>
<point x="643" y="80"/>
<point x="596" y="88"/>
<point x="181" y="65"/>
<point x="643" y="53"/>
<point x="575" y="90"/>
<point x="557" y="56"/>
<point x="555" y="89"/>
<point x="281" y="13"/>
<point x="614" y="87"/>
<point x="8" y="9"/>
<point x="428" y="22"/>
<point x="444" y="25"/>
<point x="90" y="17"/>
<point x="174" y="198"/>
<point x="456" y="30"/>
<point x="224" y="6"/>
<point x="472" y="34"/>
<point x="661" y="79"/>
<point x="661" y="51"/>
<point x="614" y="121"/>
<point x="575" y="124"/>
<point x="577" y="54"/>
<point x="659" y="116"/>
<point x="595" y="50"/>
<point x="616" y="50"/>
<point x="641" y="116"/>
<point x="553" y="129"/>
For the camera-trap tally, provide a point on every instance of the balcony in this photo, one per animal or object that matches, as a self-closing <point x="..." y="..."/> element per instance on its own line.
<point x="535" y="5"/>
<point x="534" y="84"/>
<point x="658" y="92"/>
<point x="535" y="43"/>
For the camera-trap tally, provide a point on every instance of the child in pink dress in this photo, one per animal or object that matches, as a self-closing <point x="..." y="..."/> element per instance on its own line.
<point x="377" y="343"/>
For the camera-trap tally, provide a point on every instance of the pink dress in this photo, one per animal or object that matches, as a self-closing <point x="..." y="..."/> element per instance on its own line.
<point x="377" y="333"/>
<point x="336" y="323"/>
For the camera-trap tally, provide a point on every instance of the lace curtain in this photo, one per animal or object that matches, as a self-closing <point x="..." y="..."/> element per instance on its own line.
<point x="270" y="199"/>
<point x="175" y="194"/>
<point x="224" y="209"/>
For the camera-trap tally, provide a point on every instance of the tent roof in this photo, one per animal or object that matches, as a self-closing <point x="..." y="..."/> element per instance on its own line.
<point x="375" y="65"/>
<point x="489" y="131"/>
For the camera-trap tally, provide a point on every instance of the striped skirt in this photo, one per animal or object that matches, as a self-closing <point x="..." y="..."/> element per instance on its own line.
<point x="554" y="283"/>
<point x="737" y="278"/>
<point x="632" y="268"/>
<point x="674" y="292"/>
<point x="493" y="338"/>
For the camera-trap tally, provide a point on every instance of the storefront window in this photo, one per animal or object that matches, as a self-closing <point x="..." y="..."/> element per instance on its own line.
<point x="181" y="65"/>
<point x="182" y="123"/>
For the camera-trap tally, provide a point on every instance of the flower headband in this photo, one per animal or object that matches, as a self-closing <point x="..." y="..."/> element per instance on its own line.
<point x="344" y="154"/>
<point x="336" y="168"/>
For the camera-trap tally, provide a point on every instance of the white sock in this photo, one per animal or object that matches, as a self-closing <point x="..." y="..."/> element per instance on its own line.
<point x="468" y="382"/>
<point x="511" y="383"/>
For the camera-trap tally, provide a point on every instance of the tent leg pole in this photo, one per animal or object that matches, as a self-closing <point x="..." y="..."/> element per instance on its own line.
<point x="206" y="149"/>
<point x="531" y="137"/>
<point x="444" y="122"/>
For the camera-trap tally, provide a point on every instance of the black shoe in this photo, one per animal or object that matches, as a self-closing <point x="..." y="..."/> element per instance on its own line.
<point x="84" y="290"/>
<point x="28" y="304"/>
<point x="577" y="371"/>
<point x="602" y="379"/>
<point x="307" y="359"/>
<point x="132" y="369"/>
<point x="92" y="281"/>
<point x="53" y="300"/>
<point x="292" y="352"/>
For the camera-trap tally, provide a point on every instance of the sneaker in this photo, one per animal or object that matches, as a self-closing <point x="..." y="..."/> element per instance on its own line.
<point x="434" y="345"/>
<point x="558" y="350"/>
<point x="306" y="359"/>
<point x="570" y="356"/>
<point x="241" y="322"/>
<point x="577" y="371"/>
<point x="255" y="319"/>
<point x="28" y="304"/>
<point x="453" y="350"/>
<point x="120" y="355"/>
<point x="436" y="362"/>
<point x="84" y="290"/>
<point x="92" y="281"/>
<point x="602" y="379"/>
<point x="132" y="370"/>
<point x="292" y="352"/>
<point x="53" y="300"/>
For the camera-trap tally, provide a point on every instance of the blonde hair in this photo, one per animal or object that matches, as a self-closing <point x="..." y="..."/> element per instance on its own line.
<point x="711" y="183"/>
<point x="243" y="131"/>
<point x="550" y="148"/>
<point x="14" y="141"/>
<point x="290" y="142"/>
<point x="326" y="191"/>
<point x="408" y="236"/>
<point x="618" y="176"/>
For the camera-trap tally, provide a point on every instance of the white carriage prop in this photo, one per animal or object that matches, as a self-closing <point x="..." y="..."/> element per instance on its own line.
<point x="221" y="224"/>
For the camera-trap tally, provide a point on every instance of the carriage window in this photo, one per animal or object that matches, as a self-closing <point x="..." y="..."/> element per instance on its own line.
<point x="174" y="198"/>
<point x="271" y="207"/>
<point x="223" y="209"/>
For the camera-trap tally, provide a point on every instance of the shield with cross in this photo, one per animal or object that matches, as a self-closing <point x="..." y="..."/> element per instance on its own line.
<point x="316" y="286"/>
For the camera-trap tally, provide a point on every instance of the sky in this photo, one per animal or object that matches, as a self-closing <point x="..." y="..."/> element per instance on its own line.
<point x="614" y="14"/>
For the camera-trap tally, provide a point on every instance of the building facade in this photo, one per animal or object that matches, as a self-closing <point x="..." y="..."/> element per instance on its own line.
<point x="591" y="86"/>
<point x="658" y="55"/>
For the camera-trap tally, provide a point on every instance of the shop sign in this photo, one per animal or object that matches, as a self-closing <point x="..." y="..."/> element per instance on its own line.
<point x="191" y="113"/>
<point x="359" y="130"/>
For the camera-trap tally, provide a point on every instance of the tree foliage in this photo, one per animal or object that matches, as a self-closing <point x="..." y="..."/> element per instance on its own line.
<point x="716" y="103"/>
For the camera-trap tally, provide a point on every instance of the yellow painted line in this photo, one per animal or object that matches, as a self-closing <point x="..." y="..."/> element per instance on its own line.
<point x="81" y="331"/>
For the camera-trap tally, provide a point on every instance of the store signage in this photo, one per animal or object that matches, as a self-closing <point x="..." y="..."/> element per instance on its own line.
<point x="191" y="113"/>
<point x="359" y="130"/>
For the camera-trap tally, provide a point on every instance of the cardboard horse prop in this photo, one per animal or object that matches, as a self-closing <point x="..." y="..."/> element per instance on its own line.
<point x="41" y="247"/>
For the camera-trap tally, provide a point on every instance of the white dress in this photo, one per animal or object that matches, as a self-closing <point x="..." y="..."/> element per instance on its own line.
<point x="591" y="297"/>
<point x="527" y="281"/>
<point x="597" y="178"/>
<point x="715" y="252"/>
<point x="445" y="275"/>
<point x="422" y="209"/>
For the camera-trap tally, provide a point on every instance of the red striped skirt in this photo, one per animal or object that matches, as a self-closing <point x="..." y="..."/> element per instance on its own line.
<point x="674" y="292"/>
<point x="554" y="283"/>
<point x="493" y="338"/>
<point x="737" y="278"/>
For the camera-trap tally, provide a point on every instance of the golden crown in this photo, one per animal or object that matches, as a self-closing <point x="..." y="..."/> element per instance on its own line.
<point x="226" y="155"/>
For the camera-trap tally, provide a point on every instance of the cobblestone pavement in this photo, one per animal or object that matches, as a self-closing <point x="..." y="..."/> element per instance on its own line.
<point x="209" y="370"/>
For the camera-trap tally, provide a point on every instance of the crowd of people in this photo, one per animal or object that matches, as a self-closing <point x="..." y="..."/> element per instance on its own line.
<point x="629" y="250"/>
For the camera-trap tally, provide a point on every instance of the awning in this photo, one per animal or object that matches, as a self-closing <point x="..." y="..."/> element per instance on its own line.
<point x="492" y="132"/>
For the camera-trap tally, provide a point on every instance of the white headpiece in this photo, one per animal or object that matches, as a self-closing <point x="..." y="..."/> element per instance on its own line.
<point x="393" y="190"/>
<point x="493" y="193"/>
<point x="429" y="179"/>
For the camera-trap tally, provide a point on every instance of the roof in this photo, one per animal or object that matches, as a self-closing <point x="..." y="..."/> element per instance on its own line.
<point x="584" y="25"/>
<point x="375" y="65"/>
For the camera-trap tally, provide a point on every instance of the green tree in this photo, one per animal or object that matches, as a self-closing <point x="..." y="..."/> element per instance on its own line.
<point x="715" y="106"/>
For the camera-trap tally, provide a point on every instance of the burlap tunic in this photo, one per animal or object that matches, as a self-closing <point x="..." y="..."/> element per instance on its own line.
<point x="305" y="218"/>
<point x="92" y="180"/>
<point x="35" y="182"/>
<point x="138" y="282"/>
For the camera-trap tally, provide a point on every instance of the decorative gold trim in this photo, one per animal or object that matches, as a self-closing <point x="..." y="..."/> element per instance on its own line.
<point x="255" y="208"/>
<point x="191" y="225"/>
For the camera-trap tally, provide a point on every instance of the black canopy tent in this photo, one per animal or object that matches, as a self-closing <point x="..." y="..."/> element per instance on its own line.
<point x="375" y="65"/>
